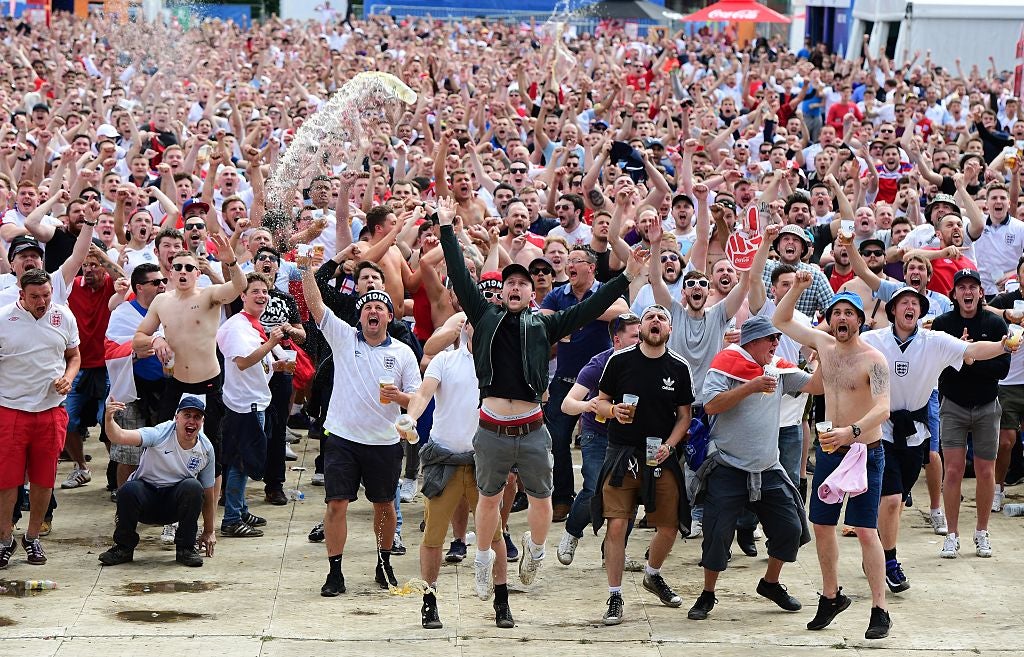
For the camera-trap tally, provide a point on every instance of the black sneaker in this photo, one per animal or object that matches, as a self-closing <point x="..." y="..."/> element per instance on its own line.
<point x="656" y="584"/>
<point x="298" y="421"/>
<point x="188" y="556"/>
<point x="778" y="594"/>
<point x="253" y="520"/>
<point x="385" y="576"/>
<point x="879" y="625"/>
<point x="828" y="609"/>
<point x="895" y="578"/>
<point x="456" y="551"/>
<point x="117" y="555"/>
<point x="6" y="552"/>
<point x="34" y="549"/>
<point x="240" y="530"/>
<point x="316" y="535"/>
<point x="700" y="609"/>
<point x="614" y="614"/>
<point x="511" y="551"/>
<point x="333" y="587"/>
<point x="520" y="502"/>
<point x="503" y="616"/>
<point x="428" y="614"/>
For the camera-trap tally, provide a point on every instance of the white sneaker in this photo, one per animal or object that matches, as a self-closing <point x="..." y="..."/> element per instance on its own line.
<point x="982" y="544"/>
<point x="289" y="453"/>
<point x="318" y="479"/>
<point x="409" y="489"/>
<point x="483" y="572"/>
<point x="528" y="564"/>
<point x="938" y="521"/>
<point x="167" y="534"/>
<point x="758" y="534"/>
<point x="696" y="529"/>
<point x="997" y="500"/>
<point x="950" y="547"/>
<point x="567" y="548"/>
<point x="77" y="477"/>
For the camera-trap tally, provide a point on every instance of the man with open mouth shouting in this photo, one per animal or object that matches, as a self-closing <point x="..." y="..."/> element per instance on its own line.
<point x="510" y="340"/>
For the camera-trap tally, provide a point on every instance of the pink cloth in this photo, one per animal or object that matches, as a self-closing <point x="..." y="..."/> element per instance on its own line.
<point x="850" y="477"/>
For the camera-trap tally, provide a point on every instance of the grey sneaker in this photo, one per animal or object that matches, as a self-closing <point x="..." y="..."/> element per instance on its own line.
<point x="614" y="614"/>
<point x="528" y="564"/>
<point x="567" y="548"/>
<point x="483" y="572"/>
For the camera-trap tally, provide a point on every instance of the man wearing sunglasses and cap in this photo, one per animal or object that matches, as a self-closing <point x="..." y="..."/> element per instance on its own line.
<point x="744" y="390"/>
<point x="516" y="343"/>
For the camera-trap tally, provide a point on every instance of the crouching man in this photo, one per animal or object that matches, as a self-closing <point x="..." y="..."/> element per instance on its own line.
<point x="173" y="483"/>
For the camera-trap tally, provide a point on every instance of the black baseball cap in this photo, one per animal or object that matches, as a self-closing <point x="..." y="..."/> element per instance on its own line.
<point x="23" y="243"/>
<point x="514" y="269"/>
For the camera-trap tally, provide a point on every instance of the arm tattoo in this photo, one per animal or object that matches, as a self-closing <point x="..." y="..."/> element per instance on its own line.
<point x="596" y="198"/>
<point x="879" y="376"/>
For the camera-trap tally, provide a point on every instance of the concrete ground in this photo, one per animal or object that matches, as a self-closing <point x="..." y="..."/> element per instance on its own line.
<point x="261" y="596"/>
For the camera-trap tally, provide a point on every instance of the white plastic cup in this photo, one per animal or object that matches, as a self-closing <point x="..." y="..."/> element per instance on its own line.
<point x="631" y="400"/>
<point x="653" y="445"/>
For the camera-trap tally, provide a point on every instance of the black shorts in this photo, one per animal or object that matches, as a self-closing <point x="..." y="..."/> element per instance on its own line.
<point x="212" y="389"/>
<point x="902" y="468"/>
<point x="347" y="463"/>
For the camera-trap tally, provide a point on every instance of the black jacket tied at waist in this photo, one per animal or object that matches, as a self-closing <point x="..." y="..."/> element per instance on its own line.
<point x="903" y="424"/>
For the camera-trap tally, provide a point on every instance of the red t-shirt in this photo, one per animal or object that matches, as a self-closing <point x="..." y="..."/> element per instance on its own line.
<point x="93" y="315"/>
<point x="423" y="327"/>
<point x="838" y="111"/>
<point x="943" y="270"/>
<point x="837" y="280"/>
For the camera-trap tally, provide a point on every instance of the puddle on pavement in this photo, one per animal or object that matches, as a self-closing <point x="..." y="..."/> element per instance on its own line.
<point x="168" y="586"/>
<point x="157" y="616"/>
<point x="5" y="621"/>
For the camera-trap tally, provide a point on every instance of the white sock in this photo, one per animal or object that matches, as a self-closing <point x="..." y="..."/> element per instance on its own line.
<point x="536" y="550"/>
<point x="484" y="556"/>
<point x="980" y="532"/>
<point x="612" y="590"/>
<point x="651" y="571"/>
<point x="937" y="512"/>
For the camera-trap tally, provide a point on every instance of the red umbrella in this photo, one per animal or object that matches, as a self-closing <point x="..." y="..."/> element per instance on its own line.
<point x="737" y="11"/>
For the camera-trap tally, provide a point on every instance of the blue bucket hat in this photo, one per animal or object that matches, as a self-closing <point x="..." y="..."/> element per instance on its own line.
<point x="850" y="298"/>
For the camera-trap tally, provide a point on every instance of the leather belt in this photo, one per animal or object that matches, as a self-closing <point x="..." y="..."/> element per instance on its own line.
<point x="846" y="448"/>
<point x="512" y="431"/>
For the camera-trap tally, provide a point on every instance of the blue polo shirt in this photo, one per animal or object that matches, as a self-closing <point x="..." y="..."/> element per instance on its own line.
<point x="590" y="378"/>
<point x="584" y="343"/>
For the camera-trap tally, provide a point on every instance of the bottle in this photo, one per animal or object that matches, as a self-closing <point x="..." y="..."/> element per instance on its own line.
<point x="40" y="585"/>
<point x="1013" y="509"/>
<point x="295" y="494"/>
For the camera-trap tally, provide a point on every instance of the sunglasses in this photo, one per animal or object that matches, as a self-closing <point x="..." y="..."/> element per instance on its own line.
<point x="156" y="282"/>
<point x="517" y="170"/>
<point x="90" y="197"/>
<point x="697" y="282"/>
<point x="665" y="257"/>
<point x="541" y="271"/>
<point x="876" y="253"/>
<point x="491" y="294"/>
<point x="198" y="225"/>
<point x="178" y="266"/>
<point x="266" y="257"/>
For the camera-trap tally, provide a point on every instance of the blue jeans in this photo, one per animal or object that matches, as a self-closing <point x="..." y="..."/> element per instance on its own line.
<point x="234" y="487"/>
<point x="560" y="427"/>
<point x="933" y="421"/>
<point x="593" y="446"/>
<point x="791" y="447"/>
<point x="76" y="401"/>
<point x="398" y="508"/>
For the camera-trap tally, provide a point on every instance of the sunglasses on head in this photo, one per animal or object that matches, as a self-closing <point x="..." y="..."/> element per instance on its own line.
<point x="538" y="271"/>
<point x="877" y="253"/>
<point x="180" y="266"/>
<point x="665" y="257"/>
<point x="624" y="317"/>
<point x="697" y="282"/>
<point x="156" y="282"/>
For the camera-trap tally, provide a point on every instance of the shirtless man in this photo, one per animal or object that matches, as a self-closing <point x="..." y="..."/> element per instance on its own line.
<point x="381" y="222"/>
<point x="856" y="380"/>
<point x="190" y="317"/>
<point x="515" y="242"/>
<point x="468" y="206"/>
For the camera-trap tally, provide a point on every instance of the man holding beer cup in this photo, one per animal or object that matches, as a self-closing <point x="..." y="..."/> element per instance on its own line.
<point x="646" y="393"/>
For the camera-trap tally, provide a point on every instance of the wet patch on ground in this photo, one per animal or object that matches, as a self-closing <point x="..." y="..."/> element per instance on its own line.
<point x="159" y="616"/>
<point x="167" y="586"/>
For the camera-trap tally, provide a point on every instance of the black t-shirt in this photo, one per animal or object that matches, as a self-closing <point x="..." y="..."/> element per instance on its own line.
<point x="662" y="384"/>
<point x="604" y="271"/>
<point x="978" y="383"/>
<point x="509" y="376"/>
<point x="58" y="249"/>
<point x="822" y="235"/>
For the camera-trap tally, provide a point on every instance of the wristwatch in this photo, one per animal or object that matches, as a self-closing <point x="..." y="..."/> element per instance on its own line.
<point x="856" y="430"/>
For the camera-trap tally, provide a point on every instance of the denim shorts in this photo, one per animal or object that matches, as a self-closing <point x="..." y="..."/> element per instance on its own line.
<point x="861" y="510"/>
<point x="495" y="456"/>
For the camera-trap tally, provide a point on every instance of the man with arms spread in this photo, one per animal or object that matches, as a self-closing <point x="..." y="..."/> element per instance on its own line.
<point x="515" y="343"/>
